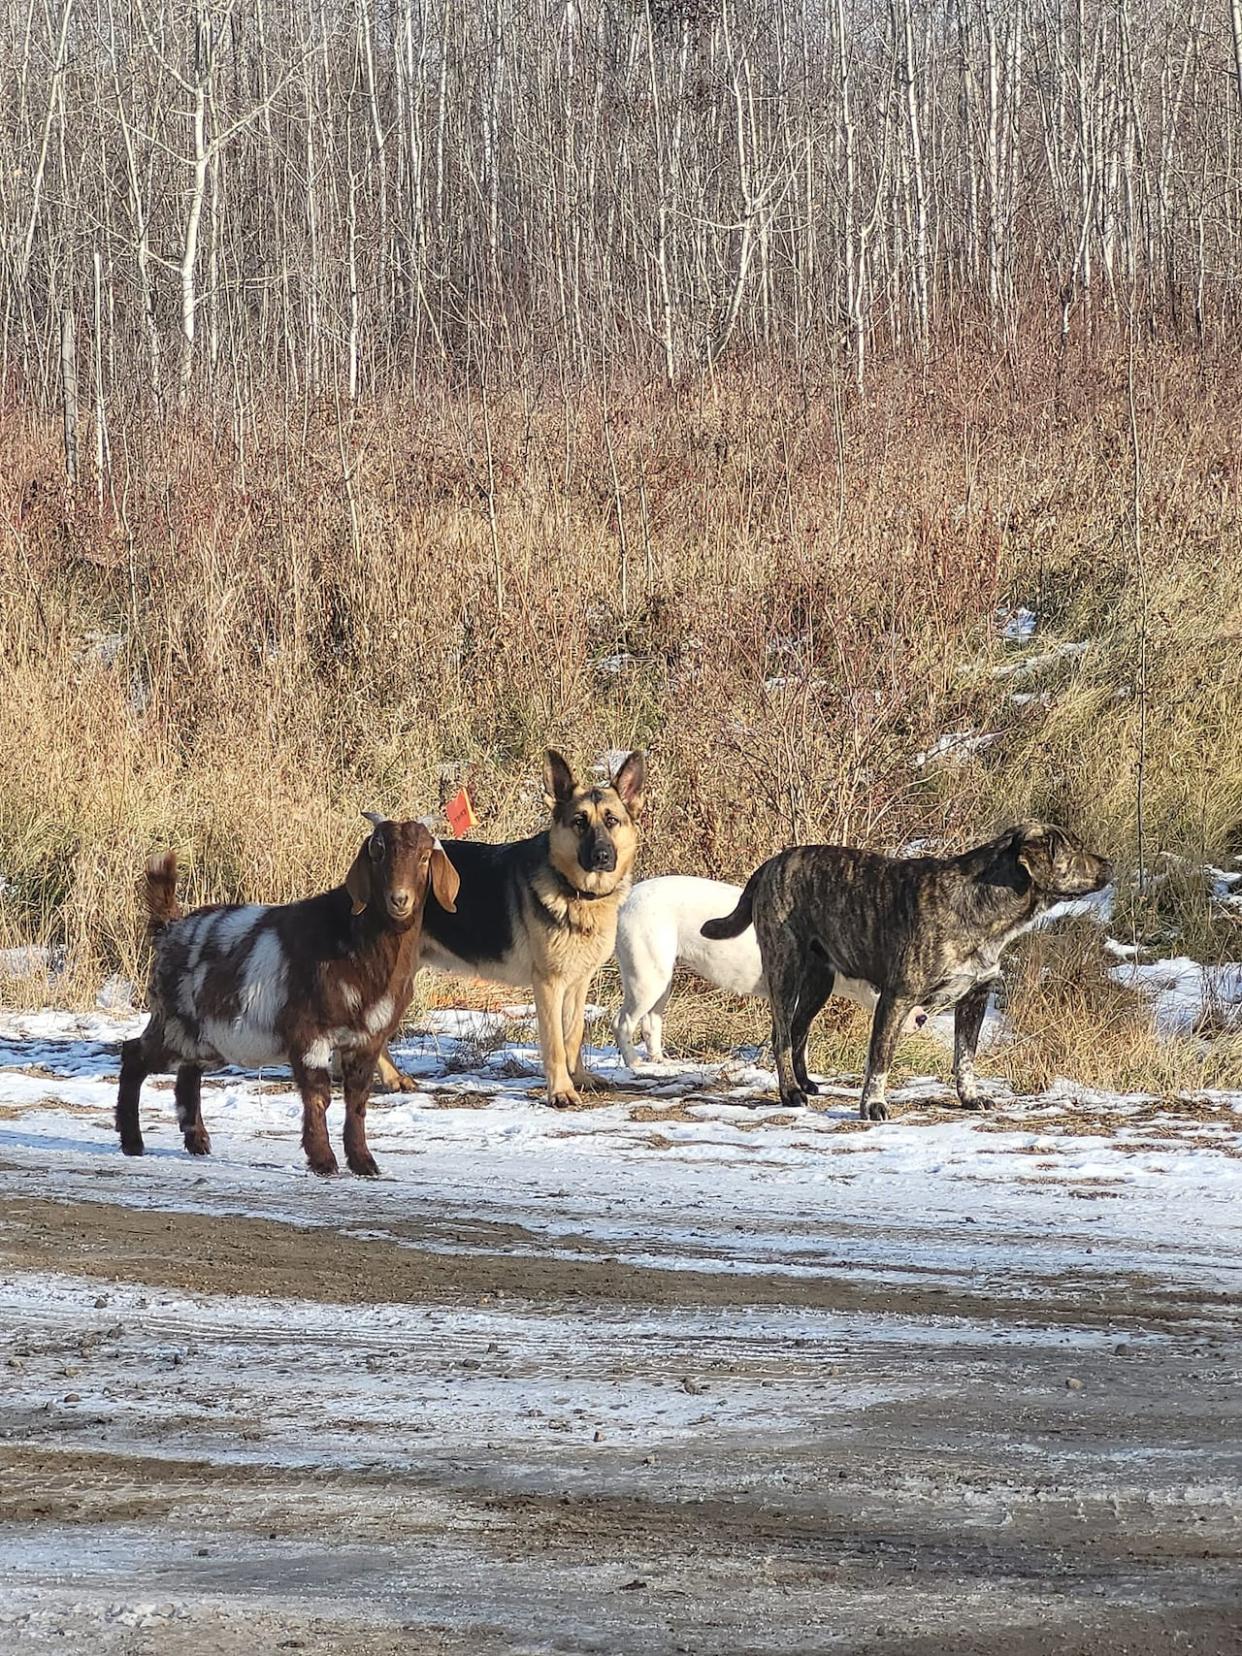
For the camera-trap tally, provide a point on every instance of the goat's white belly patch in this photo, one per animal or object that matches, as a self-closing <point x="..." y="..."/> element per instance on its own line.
<point x="379" y="1016"/>
<point x="261" y="997"/>
<point x="248" y="1045"/>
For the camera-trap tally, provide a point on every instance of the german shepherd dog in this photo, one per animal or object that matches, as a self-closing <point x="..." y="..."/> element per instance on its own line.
<point x="922" y="931"/>
<point x="542" y="912"/>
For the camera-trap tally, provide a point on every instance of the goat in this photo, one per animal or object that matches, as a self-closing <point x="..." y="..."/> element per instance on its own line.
<point x="289" y="983"/>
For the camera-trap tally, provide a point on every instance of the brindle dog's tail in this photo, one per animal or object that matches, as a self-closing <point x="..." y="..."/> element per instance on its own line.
<point x="160" y="892"/>
<point x="733" y="925"/>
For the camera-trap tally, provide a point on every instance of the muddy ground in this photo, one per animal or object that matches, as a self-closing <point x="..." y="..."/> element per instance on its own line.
<point x="429" y="1431"/>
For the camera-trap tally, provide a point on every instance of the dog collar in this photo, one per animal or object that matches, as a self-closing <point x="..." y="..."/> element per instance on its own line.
<point x="575" y="895"/>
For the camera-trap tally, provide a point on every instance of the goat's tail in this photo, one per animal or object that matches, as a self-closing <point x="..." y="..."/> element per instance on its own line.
<point x="160" y="892"/>
<point x="733" y="925"/>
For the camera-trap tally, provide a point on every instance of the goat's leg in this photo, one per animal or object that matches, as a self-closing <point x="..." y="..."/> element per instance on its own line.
<point x="188" y="1093"/>
<point x="134" y="1071"/>
<point x="356" y="1072"/>
<point x="315" y="1085"/>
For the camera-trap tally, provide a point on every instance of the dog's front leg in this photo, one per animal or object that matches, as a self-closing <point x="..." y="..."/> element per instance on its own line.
<point x="967" y="1022"/>
<point x="890" y="1014"/>
<point x="550" y="1013"/>
<point x="389" y="1078"/>
<point x="574" y="1022"/>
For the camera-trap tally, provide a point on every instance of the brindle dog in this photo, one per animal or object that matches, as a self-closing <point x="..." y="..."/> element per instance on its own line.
<point x="543" y="911"/>
<point x="923" y="931"/>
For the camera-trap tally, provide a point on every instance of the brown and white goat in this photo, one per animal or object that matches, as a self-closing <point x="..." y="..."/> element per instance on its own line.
<point x="288" y="983"/>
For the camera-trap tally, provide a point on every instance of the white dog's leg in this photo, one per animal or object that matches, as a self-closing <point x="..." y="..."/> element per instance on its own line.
<point x="626" y="1032"/>
<point x="646" y="959"/>
<point x="654" y="1025"/>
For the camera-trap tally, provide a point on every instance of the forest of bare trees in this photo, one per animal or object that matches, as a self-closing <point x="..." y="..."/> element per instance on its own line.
<point x="200" y="199"/>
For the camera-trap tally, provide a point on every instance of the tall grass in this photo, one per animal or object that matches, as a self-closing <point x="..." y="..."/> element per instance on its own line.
<point x="786" y="595"/>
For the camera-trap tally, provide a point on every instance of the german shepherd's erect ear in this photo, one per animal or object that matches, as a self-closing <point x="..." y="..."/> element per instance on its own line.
<point x="558" y="780"/>
<point x="628" y="783"/>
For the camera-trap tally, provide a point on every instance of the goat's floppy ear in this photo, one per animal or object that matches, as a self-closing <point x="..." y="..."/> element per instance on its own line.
<point x="358" y="880"/>
<point x="628" y="783"/>
<point x="445" y="880"/>
<point x="558" y="780"/>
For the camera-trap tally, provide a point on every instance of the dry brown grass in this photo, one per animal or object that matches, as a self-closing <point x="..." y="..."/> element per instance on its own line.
<point x="799" y="612"/>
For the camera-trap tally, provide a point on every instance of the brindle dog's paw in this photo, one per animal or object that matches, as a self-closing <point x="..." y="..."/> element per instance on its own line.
<point x="877" y="1111"/>
<point x="795" y="1100"/>
<point x="132" y="1147"/>
<point x="976" y="1102"/>
<point x="811" y="1088"/>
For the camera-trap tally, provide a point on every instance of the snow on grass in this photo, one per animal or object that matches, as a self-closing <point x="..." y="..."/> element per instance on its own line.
<point x="1226" y="886"/>
<point x="956" y="746"/>
<point x="1183" y="992"/>
<point x="675" y="1164"/>
<point x="31" y="960"/>
<point x="1017" y="625"/>
<point x="1037" y="661"/>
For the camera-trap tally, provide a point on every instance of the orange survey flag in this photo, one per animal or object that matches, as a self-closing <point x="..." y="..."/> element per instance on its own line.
<point x="460" y="814"/>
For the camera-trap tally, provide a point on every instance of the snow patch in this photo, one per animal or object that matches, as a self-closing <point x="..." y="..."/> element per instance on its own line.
<point x="1017" y="625"/>
<point x="1183" y="991"/>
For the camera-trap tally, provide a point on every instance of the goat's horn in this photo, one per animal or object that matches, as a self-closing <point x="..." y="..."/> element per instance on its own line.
<point x="374" y="818"/>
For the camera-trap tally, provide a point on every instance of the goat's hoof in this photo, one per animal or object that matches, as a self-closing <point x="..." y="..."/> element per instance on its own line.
<point x="323" y="1167"/>
<point x="366" y="1167"/>
<point x="198" y="1144"/>
<point x="132" y="1147"/>
<point x="567" y="1099"/>
<point x="795" y="1100"/>
<point x="975" y="1102"/>
<point x="878" y="1111"/>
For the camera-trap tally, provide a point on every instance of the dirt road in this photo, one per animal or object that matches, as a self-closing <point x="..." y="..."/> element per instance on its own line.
<point x="369" y="1419"/>
<point x="677" y="1373"/>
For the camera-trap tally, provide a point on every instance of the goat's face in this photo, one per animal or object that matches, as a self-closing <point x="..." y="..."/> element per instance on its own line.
<point x="394" y="869"/>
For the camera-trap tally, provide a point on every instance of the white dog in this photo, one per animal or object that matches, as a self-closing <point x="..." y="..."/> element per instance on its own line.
<point x="658" y="928"/>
